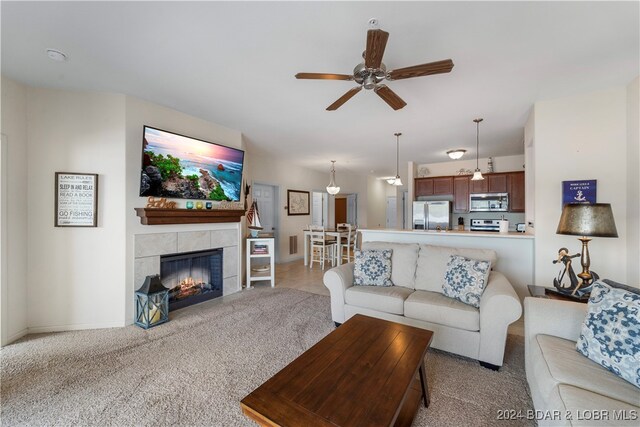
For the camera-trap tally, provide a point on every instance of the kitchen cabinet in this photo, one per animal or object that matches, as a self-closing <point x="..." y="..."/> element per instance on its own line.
<point x="516" y="192"/>
<point x="461" y="194"/>
<point x="438" y="186"/>
<point x="481" y="186"/>
<point x="497" y="182"/>
<point x="424" y="187"/>
<point x="443" y="186"/>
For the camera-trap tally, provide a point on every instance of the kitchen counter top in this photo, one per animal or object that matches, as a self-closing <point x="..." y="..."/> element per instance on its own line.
<point x="466" y="233"/>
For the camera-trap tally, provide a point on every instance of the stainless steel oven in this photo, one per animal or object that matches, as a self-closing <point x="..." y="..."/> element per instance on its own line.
<point x="489" y="202"/>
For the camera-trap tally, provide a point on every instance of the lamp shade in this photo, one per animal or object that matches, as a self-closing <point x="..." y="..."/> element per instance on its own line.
<point x="595" y="220"/>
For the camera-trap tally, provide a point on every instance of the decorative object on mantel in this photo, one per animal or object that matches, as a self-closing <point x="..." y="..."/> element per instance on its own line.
<point x="297" y="202"/>
<point x="152" y="202"/>
<point x="153" y="216"/>
<point x="253" y="219"/>
<point x="233" y="206"/>
<point x="477" y="175"/>
<point x="189" y="205"/>
<point x="76" y="199"/>
<point x="464" y="171"/>
<point x="247" y="189"/>
<point x="456" y="154"/>
<point x="152" y="303"/>
<point x="209" y="205"/>
<point x="199" y="205"/>
<point x="423" y="171"/>
<point x="490" y="165"/>
<point x="332" y="188"/>
<point x="396" y="181"/>
<point x="586" y="220"/>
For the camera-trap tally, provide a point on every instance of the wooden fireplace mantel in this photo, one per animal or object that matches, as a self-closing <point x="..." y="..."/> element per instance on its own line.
<point x="159" y="216"/>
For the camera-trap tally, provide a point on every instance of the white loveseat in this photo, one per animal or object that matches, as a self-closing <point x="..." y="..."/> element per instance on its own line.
<point x="416" y="299"/>
<point x="566" y="387"/>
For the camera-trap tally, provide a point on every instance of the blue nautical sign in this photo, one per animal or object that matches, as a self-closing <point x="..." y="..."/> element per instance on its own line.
<point x="583" y="191"/>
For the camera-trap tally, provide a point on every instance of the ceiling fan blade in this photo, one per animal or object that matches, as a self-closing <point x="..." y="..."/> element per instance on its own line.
<point x="437" y="67"/>
<point x="376" y="42"/>
<point x="390" y="97"/>
<point x="344" y="98"/>
<point x="323" y="76"/>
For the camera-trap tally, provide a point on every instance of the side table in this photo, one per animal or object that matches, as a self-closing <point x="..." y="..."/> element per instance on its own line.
<point x="261" y="248"/>
<point x="551" y="293"/>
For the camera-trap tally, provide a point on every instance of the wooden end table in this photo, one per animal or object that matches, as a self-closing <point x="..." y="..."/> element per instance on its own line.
<point x="368" y="372"/>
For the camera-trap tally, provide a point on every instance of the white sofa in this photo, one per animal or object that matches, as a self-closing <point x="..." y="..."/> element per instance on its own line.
<point x="416" y="299"/>
<point x="566" y="387"/>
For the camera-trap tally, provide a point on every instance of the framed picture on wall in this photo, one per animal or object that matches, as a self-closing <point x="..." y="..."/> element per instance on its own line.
<point x="76" y="199"/>
<point x="582" y="191"/>
<point x="297" y="202"/>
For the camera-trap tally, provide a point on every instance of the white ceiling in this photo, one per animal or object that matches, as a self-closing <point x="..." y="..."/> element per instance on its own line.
<point x="234" y="64"/>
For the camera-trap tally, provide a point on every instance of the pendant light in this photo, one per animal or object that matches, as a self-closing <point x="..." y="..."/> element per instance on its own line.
<point x="477" y="175"/>
<point x="397" y="181"/>
<point x="332" y="188"/>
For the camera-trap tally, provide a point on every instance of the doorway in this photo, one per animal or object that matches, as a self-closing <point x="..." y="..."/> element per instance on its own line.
<point x="266" y="197"/>
<point x="320" y="209"/>
<point x="341" y="210"/>
<point x="391" y="212"/>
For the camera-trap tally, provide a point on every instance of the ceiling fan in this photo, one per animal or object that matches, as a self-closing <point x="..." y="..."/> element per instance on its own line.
<point x="372" y="72"/>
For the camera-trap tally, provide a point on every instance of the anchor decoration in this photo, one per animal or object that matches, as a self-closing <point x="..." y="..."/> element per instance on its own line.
<point x="567" y="282"/>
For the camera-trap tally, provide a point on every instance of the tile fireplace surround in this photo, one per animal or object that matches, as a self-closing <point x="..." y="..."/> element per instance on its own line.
<point x="149" y="248"/>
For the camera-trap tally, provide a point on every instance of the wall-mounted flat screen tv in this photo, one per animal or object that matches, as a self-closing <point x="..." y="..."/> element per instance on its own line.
<point x="187" y="168"/>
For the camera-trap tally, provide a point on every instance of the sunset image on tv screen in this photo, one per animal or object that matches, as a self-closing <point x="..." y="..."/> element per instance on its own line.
<point x="181" y="167"/>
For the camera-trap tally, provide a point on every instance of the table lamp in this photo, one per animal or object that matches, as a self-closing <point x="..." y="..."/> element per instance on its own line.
<point x="587" y="220"/>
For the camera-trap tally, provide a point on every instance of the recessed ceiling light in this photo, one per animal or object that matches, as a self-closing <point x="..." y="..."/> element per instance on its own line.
<point x="56" y="55"/>
<point x="456" y="154"/>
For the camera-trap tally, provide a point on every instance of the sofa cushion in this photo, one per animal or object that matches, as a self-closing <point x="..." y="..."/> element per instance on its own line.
<point x="432" y="264"/>
<point x="436" y="308"/>
<point x="372" y="268"/>
<point x="403" y="261"/>
<point x="466" y="279"/>
<point x="389" y="299"/>
<point x="583" y="405"/>
<point x="567" y="366"/>
<point x="610" y="334"/>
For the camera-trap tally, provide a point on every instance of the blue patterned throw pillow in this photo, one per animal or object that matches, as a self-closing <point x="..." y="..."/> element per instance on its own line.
<point x="466" y="279"/>
<point x="373" y="267"/>
<point x="610" y="333"/>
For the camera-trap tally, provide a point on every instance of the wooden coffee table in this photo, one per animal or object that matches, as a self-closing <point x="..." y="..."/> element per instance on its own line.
<point x="365" y="373"/>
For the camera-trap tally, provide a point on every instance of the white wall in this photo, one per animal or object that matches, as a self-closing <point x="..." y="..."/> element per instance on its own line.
<point x="633" y="182"/>
<point x="581" y="137"/>
<point x="287" y="176"/>
<point x="138" y="114"/>
<point x="75" y="275"/>
<point x="376" y="202"/>
<point x="500" y="164"/>
<point x="14" y="205"/>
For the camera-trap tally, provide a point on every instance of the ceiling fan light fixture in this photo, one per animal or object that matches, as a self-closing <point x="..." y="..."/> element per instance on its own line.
<point x="332" y="188"/>
<point x="456" y="154"/>
<point x="477" y="175"/>
<point x="369" y="82"/>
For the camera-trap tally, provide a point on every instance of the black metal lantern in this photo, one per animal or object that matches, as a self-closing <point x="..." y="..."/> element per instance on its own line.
<point x="152" y="303"/>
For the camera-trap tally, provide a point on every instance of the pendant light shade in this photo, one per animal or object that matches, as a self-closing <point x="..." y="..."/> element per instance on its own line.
<point x="397" y="181"/>
<point x="332" y="188"/>
<point x="477" y="175"/>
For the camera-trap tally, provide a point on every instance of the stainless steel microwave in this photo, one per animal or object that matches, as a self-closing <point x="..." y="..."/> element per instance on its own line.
<point x="489" y="202"/>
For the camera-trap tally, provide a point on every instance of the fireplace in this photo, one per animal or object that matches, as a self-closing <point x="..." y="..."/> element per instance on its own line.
<point x="192" y="277"/>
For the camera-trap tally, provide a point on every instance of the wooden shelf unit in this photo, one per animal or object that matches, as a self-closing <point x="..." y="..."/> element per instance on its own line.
<point x="159" y="216"/>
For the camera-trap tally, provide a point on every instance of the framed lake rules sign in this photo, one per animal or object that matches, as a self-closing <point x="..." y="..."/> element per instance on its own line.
<point x="76" y="199"/>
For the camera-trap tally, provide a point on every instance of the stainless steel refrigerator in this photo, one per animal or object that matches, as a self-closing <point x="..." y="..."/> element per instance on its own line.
<point x="432" y="215"/>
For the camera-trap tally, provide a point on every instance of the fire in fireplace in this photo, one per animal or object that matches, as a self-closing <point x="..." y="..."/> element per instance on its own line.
<point x="192" y="277"/>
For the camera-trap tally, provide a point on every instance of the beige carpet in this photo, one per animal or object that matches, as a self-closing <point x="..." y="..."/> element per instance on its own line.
<point x="195" y="369"/>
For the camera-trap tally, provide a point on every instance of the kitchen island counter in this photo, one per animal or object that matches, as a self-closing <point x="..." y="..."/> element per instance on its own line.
<point x="514" y="250"/>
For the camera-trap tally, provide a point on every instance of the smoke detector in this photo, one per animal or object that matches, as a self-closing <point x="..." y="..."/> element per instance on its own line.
<point x="56" y="55"/>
